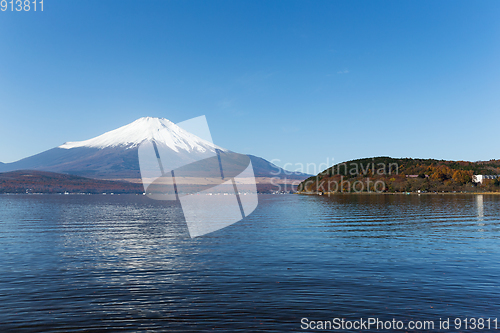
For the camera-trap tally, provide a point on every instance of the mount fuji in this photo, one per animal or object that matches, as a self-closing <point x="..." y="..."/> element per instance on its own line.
<point x="114" y="154"/>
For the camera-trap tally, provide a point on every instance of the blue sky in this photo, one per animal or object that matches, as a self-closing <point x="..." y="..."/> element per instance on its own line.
<point x="294" y="81"/>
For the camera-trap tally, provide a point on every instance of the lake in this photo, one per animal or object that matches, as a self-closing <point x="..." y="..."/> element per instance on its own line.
<point x="73" y="263"/>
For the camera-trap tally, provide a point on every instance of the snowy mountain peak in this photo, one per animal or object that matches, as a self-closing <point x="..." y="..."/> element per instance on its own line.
<point x="147" y="129"/>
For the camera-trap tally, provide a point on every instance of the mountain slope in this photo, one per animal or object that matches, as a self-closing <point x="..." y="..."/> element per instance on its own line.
<point x="114" y="155"/>
<point x="84" y="161"/>
<point x="264" y="168"/>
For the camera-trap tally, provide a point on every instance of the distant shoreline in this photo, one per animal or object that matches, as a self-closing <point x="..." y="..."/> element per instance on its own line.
<point x="393" y="193"/>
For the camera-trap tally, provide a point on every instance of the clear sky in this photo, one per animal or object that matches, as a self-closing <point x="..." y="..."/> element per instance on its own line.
<point x="294" y="81"/>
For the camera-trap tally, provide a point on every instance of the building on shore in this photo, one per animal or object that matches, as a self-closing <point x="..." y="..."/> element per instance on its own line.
<point x="482" y="178"/>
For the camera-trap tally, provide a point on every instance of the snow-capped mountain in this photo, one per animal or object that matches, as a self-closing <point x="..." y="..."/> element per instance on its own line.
<point x="114" y="154"/>
<point x="147" y="129"/>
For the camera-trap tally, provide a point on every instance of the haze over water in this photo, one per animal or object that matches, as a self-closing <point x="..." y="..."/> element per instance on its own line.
<point x="96" y="262"/>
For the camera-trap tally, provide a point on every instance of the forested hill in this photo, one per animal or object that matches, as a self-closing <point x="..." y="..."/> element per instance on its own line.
<point x="29" y="181"/>
<point x="406" y="174"/>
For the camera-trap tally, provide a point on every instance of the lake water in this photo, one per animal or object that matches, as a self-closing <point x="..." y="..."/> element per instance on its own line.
<point x="77" y="263"/>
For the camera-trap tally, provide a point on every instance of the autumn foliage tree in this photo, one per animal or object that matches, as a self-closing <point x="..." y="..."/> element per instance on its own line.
<point x="463" y="176"/>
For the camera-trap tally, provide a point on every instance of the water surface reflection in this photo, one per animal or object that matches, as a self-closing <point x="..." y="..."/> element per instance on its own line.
<point x="73" y="262"/>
